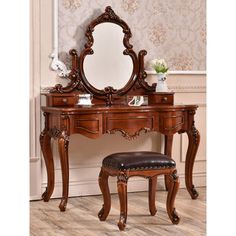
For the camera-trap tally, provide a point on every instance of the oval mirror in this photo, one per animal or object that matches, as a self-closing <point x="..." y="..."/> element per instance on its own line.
<point x="108" y="66"/>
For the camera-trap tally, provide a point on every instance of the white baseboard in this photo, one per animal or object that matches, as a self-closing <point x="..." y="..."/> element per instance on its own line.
<point x="86" y="188"/>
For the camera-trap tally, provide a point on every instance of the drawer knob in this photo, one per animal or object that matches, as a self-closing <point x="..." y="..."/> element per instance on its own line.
<point x="64" y="100"/>
<point x="164" y="99"/>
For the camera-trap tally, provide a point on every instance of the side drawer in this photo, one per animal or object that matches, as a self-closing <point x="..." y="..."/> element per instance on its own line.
<point x="87" y="125"/>
<point x="171" y="122"/>
<point x="161" y="98"/>
<point x="56" y="101"/>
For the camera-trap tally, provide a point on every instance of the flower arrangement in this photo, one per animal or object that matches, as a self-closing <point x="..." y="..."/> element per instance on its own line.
<point x="160" y="66"/>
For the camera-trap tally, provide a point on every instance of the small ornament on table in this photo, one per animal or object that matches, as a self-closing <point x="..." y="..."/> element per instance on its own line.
<point x="160" y="66"/>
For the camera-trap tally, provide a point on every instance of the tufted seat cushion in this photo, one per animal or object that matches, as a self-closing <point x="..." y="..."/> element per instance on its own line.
<point x="138" y="161"/>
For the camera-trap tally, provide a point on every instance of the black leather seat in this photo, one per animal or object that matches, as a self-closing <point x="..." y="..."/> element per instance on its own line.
<point x="138" y="161"/>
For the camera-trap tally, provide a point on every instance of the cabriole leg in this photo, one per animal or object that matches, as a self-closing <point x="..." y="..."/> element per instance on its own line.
<point x="122" y="192"/>
<point x="194" y="140"/>
<point x="45" y="142"/>
<point x="152" y="195"/>
<point x="103" y="183"/>
<point x="172" y="191"/>
<point x="63" y="143"/>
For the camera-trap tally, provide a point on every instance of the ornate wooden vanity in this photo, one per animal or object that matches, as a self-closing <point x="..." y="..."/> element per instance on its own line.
<point x="110" y="112"/>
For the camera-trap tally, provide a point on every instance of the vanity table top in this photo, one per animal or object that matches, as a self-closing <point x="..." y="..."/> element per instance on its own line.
<point x="117" y="108"/>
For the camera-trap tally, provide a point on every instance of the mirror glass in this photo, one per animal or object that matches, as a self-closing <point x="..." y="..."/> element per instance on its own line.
<point x="108" y="66"/>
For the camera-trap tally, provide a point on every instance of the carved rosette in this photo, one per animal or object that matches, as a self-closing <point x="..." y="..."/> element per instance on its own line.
<point x="55" y="132"/>
<point x="108" y="92"/>
<point x="122" y="177"/>
<point x="174" y="175"/>
<point x="195" y="133"/>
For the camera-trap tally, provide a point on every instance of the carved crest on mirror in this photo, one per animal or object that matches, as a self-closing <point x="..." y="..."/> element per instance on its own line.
<point x="81" y="77"/>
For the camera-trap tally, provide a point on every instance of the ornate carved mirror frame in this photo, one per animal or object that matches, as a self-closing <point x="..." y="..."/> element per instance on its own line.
<point x="78" y="80"/>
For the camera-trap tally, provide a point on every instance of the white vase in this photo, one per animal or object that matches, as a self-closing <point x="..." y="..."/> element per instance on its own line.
<point x="161" y="83"/>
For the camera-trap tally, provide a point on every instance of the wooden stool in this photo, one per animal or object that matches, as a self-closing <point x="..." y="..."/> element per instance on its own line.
<point x="145" y="164"/>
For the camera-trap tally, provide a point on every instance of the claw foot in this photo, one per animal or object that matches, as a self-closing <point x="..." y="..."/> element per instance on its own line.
<point x="174" y="217"/>
<point x="122" y="223"/>
<point x="101" y="214"/>
<point x="45" y="196"/>
<point x="153" y="212"/>
<point x="194" y="193"/>
<point x="62" y="205"/>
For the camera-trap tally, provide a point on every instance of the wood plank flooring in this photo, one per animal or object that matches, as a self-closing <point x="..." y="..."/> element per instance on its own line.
<point x="80" y="218"/>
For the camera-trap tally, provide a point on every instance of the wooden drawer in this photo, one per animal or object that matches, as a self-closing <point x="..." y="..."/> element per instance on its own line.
<point x="171" y="122"/>
<point x="56" y="101"/>
<point x="161" y="98"/>
<point x="88" y="125"/>
<point x="129" y="124"/>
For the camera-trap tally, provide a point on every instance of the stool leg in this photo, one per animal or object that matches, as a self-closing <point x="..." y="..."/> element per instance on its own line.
<point x="122" y="192"/>
<point x="152" y="195"/>
<point x="103" y="183"/>
<point x="172" y="191"/>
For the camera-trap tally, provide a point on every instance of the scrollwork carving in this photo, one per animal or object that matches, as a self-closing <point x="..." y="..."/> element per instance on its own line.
<point x="55" y="132"/>
<point x="142" y="74"/>
<point x="122" y="177"/>
<point x="192" y="112"/>
<point x="195" y="133"/>
<point x="127" y="135"/>
<point x="174" y="175"/>
<point x="109" y="91"/>
<point x="75" y="81"/>
<point x="78" y="80"/>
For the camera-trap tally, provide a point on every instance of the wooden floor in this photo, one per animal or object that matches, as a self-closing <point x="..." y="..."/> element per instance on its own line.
<point x="80" y="218"/>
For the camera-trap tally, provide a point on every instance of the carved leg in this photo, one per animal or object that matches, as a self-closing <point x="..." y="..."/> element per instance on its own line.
<point x="122" y="192"/>
<point x="63" y="143"/>
<point x="103" y="183"/>
<point x="45" y="142"/>
<point x="173" y="188"/>
<point x="152" y="195"/>
<point x="194" y="140"/>
<point x="168" y="152"/>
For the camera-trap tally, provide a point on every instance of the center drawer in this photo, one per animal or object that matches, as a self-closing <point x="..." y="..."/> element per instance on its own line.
<point x="128" y="124"/>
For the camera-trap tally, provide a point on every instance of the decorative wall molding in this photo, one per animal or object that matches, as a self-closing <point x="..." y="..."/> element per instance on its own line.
<point x="45" y="89"/>
<point x="34" y="159"/>
<point x="175" y="88"/>
<point x="34" y="78"/>
<point x="180" y="72"/>
<point x="188" y="88"/>
<point x="178" y="84"/>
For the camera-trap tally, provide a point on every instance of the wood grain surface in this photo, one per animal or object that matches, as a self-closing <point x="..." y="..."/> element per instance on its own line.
<point x="80" y="218"/>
